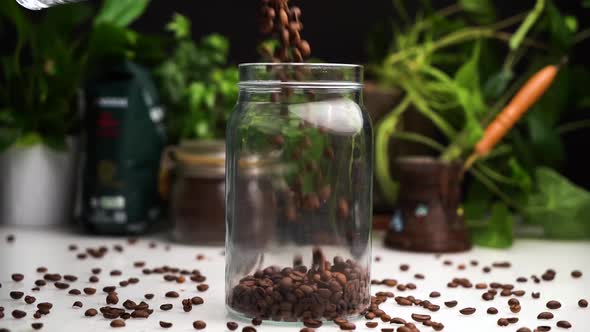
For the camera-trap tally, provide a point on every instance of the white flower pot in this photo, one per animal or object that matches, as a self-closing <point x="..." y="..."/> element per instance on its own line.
<point x="38" y="185"/>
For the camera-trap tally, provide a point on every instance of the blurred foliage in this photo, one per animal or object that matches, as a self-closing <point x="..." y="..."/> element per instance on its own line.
<point x="41" y="77"/>
<point x="458" y="67"/>
<point x="197" y="84"/>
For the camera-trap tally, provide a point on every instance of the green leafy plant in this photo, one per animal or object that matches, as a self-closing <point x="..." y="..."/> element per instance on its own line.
<point x="40" y="79"/>
<point x="198" y="86"/>
<point x="453" y="70"/>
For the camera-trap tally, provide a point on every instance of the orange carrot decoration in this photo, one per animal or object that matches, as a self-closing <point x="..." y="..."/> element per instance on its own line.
<point x="526" y="97"/>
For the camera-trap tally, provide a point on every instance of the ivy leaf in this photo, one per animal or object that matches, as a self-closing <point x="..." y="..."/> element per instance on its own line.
<point x="482" y="10"/>
<point x="120" y="13"/>
<point x="196" y="94"/>
<point x="561" y="207"/>
<point x="495" y="232"/>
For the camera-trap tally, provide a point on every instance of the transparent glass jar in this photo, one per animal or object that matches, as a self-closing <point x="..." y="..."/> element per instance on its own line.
<point x="306" y="252"/>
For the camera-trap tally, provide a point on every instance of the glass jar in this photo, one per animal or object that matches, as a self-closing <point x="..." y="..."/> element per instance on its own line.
<point x="306" y="252"/>
<point x="41" y="4"/>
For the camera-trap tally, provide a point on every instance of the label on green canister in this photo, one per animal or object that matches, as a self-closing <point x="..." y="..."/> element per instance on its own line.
<point x="125" y="139"/>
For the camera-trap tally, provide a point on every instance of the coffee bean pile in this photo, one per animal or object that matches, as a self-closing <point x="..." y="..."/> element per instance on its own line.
<point x="284" y="24"/>
<point x="325" y="290"/>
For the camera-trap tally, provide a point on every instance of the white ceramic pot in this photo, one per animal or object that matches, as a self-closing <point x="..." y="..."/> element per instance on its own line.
<point x="38" y="185"/>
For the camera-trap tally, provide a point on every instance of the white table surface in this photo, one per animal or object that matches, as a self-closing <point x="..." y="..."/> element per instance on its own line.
<point x="34" y="247"/>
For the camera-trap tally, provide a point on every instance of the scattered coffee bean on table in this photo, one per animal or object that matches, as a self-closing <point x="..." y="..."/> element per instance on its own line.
<point x="434" y="294"/>
<point x="89" y="291"/>
<point x="199" y="325"/>
<point x="118" y="323"/>
<point x="467" y="311"/>
<point x="166" y="307"/>
<point x="347" y="326"/>
<point x="17" y="277"/>
<point x="420" y="318"/>
<point x="512" y="320"/>
<point x="202" y="287"/>
<point x="77" y="304"/>
<point x="112" y="298"/>
<point x="248" y="329"/>
<point x="91" y="312"/>
<point x="503" y="322"/>
<point x="74" y="291"/>
<point x="172" y="294"/>
<point x="149" y="296"/>
<point x="37" y="326"/>
<point x="165" y="325"/>
<point x="61" y="285"/>
<point x="30" y="299"/>
<point x="564" y="324"/>
<point x="536" y="295"/>
<point x="583" y="303"/>
<point x="371" y="325"/>
<point x="545" y="315"/>
<point x="543" y="328"/>
<point x="307" y="329"/>
<point x="232" y="326"/>
<point x="524" y="329"/>
<point x="553" y="304"/>
<point x="515" y="308"/>
<point x="404" y="267"/>
<point x="15" y="295"/>
<point x="18" y="314"/>
<point x="576" y="274"/>
<point x="397" y="320"/>
<point x="451" y="304"/>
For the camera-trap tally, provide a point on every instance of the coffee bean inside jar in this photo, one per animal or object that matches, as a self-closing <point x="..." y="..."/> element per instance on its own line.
<point x="325" y="290"/>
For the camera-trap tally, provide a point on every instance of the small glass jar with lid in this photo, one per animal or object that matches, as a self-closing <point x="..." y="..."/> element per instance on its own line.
<point x="306" y="252"/>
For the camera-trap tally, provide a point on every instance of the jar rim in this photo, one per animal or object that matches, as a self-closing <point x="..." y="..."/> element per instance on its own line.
<point x="300" y="74"/>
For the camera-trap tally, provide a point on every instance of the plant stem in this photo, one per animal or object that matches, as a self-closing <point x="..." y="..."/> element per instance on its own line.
<point x="423" y="108"/>
<point x="581" y="36"/>
<point x="573" y="126"/>
<point x="493" y="188"/>
<point x="492" y="174"/>
<point x="418" y="138"/>
<point x="527" y="24"/>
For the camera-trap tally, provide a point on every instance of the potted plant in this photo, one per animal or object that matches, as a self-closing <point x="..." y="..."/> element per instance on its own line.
<point x="199" y="89"/>
<point x="39" y="113"/>
<point x="449" y="66"/>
